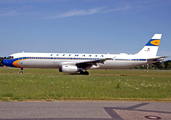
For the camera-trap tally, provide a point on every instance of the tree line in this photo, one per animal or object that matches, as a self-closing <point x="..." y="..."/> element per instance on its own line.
<point x="1" y="59"/>
<point x="165" y="65"/>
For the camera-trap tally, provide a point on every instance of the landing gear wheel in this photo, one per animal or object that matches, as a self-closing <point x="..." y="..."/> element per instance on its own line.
<point x="84" y="73"/>
<point x="21" y="72"/>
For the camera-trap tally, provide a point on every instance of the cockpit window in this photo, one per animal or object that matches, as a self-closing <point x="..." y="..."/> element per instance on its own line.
<point x="10" y="57"/>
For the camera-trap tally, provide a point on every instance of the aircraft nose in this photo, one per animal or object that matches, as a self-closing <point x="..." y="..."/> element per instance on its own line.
<point x="3" y="62"/>
<point x="8" y="62"/>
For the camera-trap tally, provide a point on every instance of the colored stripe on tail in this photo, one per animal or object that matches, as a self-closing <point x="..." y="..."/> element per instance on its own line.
<point x="151" y="48"/>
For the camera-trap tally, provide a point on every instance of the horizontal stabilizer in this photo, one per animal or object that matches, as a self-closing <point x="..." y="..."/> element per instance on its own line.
<point x="157" y="58"/>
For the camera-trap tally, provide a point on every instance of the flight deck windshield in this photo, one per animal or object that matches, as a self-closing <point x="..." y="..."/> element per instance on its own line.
<point x="10" y="57"/>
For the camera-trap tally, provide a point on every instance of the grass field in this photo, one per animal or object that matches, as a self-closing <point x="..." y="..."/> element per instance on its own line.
<point x="50" y="85"/>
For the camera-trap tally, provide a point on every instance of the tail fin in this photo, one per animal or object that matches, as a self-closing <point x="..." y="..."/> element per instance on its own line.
<point x="151" y="48"/>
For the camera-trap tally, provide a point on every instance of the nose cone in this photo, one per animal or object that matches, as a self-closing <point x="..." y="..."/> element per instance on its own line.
<point x="8" y="62"/>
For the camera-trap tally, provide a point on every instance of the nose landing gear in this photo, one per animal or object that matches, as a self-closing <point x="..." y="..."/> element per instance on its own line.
<point x="21" y="72"/>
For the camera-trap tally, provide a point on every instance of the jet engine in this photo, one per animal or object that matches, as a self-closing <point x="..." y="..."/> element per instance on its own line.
<point x="69" y="69"/>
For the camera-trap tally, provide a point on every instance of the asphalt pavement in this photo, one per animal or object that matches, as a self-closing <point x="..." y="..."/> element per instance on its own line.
<point x="85" y="110"/>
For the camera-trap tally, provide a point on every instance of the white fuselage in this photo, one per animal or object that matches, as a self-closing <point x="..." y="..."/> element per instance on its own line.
<point x="55" y="60"/>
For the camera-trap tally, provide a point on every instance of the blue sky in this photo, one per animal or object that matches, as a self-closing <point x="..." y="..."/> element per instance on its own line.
<point x="83" y="26"/>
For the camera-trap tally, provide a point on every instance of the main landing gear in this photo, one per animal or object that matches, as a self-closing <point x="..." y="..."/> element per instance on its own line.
<point x="84" y="73"/>
<point x="21" y="72"/>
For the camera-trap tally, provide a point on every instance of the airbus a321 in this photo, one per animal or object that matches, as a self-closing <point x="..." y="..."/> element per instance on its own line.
<point x="79" y="62"/>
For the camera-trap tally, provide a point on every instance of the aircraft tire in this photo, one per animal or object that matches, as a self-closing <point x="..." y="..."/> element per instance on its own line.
<point x="84" y="73"/>
<point x="81" y="72"/>
<point x="21" y="72"/>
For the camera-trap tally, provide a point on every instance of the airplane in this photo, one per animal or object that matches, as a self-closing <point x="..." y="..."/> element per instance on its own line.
<point x="80" y="62"/>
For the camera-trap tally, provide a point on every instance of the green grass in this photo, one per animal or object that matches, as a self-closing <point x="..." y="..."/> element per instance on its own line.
<point x="49" y="85"/>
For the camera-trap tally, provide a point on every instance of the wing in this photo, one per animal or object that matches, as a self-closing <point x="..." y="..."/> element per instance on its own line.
<point x="88" y="64"/>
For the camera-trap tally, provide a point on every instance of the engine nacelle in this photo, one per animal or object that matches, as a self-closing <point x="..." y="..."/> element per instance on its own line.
<point x="69" y="69"/>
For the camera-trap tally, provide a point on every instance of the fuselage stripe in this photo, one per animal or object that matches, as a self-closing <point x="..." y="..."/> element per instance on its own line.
<point x="54" y="58"/>
<point x="15" y="63"/>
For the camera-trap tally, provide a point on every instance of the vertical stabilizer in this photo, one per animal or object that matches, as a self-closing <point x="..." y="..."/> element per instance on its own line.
<point x="151" y="48"/>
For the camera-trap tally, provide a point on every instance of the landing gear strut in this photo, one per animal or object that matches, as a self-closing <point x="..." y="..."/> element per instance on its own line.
<point x="84" y="73"/>
<point x="21" y="72"/>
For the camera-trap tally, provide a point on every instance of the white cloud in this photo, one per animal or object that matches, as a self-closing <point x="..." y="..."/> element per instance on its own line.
<point x="134" y="5"/>
<point x="119" y="8"/>
<point x="12" y="11"/>
<point x="8" y="13"/>
<point x="76" y="12"/>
